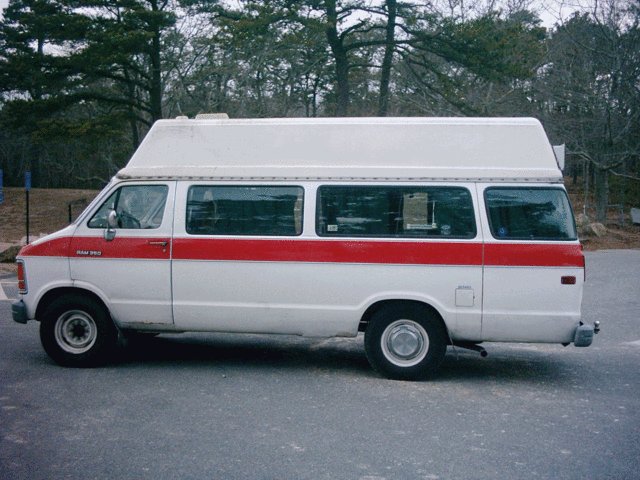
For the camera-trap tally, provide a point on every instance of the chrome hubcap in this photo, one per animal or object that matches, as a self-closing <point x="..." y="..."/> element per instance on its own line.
<point x="75" y="331"/>
<point x="405" y="343"/>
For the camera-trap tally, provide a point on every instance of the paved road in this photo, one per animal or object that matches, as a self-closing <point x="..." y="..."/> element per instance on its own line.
<point x="256" y="407"/>
<point x="8" y="286"/>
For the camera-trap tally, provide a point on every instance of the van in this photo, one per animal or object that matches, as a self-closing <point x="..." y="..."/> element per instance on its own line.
<point x="419" y="232"/>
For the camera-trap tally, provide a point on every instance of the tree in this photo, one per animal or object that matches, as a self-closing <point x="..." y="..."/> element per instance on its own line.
<point x="124" y="47"/>
<point x="387" y="59"/>
<point x="589" y="91"/>
<point x="456" y="64"/>
<point x="355" y="30"/>
<point x="62" y="62"/>
<point x="37" y="79"/>
<point x="254" y="59"/>
<point x="56" y="53"/>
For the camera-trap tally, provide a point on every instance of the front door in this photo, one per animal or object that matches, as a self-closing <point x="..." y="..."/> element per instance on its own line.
<point x="131" y="268"/>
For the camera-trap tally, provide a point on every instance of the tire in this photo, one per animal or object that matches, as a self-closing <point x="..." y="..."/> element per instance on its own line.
<point x="405" y="342"/>
<point x="76" y="331"/>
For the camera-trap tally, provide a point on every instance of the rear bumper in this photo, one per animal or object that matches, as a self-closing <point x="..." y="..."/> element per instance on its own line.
<point x="583" y="336"/>
<point x="19" y="311"/>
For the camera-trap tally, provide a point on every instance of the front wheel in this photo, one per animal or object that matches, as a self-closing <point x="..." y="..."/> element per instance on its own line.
<point x="405" y="342"/>
<point x="76" y="331"/>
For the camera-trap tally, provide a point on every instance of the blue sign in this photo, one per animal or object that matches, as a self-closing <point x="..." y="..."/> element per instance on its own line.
<point x="1" y="190"/>
<point x="27" y="180"/>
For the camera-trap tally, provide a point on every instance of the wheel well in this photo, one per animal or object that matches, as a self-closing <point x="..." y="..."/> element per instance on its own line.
<point x="56" y="293"/>
<point x="364" y="321"/>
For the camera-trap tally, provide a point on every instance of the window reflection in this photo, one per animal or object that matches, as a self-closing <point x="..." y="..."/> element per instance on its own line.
<point x="379" y="211"/>
<point x="530" y="214"/>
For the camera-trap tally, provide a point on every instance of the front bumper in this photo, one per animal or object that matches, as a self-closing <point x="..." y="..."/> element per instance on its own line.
<point x="19" y="311"/>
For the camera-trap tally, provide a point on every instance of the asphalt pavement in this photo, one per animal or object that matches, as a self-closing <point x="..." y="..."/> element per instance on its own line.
<point x="215" y="406"/>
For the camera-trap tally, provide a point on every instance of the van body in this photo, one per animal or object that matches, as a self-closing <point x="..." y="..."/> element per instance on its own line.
<point x="419" y="232"/>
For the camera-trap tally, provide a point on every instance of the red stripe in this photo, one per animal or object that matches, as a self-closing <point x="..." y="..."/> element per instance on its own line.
<point x="320" y="251"/>
<point x="342" y="251"/>
<point x="58" y="247"/>
<point x="534" y="255"/>
<point x="119" y="247"/>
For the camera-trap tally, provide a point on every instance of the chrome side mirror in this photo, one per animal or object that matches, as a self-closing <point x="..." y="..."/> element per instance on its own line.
<point x="112" y="223"/>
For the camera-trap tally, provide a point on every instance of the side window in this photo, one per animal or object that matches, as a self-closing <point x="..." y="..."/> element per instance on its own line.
<point x="137" y="207"/>
<point x="244" y="210"/>
<point x="379" y="211"/>
<point x="529" y="214"/>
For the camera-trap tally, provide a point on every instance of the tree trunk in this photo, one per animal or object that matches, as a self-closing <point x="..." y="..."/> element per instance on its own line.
<point x="133" y="122"/>
<point x="155" y="90"/>
<point x="336" y="44"/>
<point x="601" y="193"/>
<point x="387" y="61"/>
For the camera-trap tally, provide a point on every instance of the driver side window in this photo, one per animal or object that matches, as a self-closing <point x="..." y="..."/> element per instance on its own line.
<point x="136" y="206"/>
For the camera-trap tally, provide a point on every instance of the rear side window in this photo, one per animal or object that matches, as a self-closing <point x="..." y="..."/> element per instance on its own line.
<point x="244" y="210"/>
<point x="379" y="211"/>
<point x="530" y="214"/>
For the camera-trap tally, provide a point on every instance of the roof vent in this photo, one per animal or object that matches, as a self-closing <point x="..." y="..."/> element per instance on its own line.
<point x="212" y="116"/>
<point x="182" y="117"/>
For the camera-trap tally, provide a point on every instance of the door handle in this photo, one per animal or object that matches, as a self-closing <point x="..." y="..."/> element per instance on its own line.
<point x="160" y="243"/>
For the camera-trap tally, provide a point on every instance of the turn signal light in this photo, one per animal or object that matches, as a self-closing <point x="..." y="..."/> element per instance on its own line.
<point x="568" y="280"/>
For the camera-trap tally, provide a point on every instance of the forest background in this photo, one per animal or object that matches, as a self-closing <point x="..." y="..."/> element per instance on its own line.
<point x="81" y="81"/>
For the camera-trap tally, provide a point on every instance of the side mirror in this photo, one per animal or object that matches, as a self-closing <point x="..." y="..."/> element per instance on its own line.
<point x="112" y="223"/>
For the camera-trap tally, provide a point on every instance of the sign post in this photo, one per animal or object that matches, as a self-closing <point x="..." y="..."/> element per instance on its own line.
<point x="27" y="187"/>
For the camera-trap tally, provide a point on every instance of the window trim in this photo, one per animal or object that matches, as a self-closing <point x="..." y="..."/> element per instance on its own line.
<point x="472" y="235"/>
<point x="241" y="185"/>
<point x="528" y="239"/>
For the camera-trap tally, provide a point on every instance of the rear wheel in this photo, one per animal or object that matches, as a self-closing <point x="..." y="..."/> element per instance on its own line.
<point x="405" y="342"/>
<point x="76" y="331"/>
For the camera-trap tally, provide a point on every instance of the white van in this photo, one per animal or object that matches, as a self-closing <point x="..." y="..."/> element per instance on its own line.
<point x="419" y="232"/>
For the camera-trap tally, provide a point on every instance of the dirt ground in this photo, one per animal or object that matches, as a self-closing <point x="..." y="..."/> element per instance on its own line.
<point x="49" y="211"/>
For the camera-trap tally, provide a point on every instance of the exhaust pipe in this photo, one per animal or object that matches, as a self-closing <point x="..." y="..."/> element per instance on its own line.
<point x="472" y="346"/>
